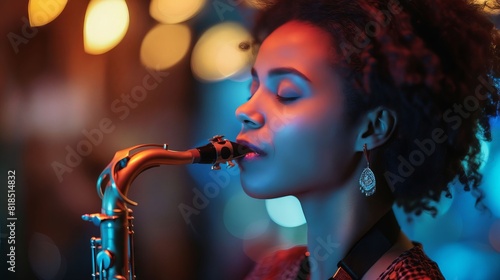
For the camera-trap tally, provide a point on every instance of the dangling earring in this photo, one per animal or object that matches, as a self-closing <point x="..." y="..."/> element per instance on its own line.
<point x="367" y="180"/>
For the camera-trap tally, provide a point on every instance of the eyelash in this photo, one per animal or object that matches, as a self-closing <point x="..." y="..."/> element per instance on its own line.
<point x="286" y="99"/>
<point x="278" y="97"/>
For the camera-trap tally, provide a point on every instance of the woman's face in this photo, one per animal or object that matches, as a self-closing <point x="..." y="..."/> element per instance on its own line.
<point x="294" y="118"/>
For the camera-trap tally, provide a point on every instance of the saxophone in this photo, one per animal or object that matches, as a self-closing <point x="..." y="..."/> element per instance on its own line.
<point x="113" y="252"/>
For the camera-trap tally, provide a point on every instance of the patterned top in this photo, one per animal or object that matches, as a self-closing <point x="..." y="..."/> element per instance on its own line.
<point x="285" y="265"/>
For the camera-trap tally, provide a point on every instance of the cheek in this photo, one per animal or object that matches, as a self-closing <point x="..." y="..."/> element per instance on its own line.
<point x="311" y="146"/>
<point x="279" y="121"/>
<point x="314" y="124"/>
<point x="283" y="118"/>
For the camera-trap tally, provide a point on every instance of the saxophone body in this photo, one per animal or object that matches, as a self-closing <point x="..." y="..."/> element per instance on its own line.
<point x="113" y="251"/>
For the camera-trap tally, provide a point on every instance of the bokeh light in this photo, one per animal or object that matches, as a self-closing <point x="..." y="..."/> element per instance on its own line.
<point x="487" y="4"/>
<point x="165" y="45"/>
<point x="467" y="261"/>
<point x="256" y="4"/>
<point x="54" y="109"/>
<point x="41" y="12"/>
<point x="490" y="184"/>
<point x="223" y="51"/>
<point x="424" y="228"/>
<point x="174" y="11"/>
<point x="286" y="211"/>
<point x="244" y="217"/>
<point x="485" y="153"/>
<point x="106" y="22"/>
<point x="44" y="256"/>
<point x="491" y="171"/>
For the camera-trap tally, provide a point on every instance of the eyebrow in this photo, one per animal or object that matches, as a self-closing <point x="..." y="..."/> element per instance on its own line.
<point x="283" y="71"/>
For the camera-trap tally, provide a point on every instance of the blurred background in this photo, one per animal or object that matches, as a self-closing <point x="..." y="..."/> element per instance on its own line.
<point x="81" y="80"/>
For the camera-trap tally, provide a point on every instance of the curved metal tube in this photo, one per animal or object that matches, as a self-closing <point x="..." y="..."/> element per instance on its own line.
<point x="113" y="252"/>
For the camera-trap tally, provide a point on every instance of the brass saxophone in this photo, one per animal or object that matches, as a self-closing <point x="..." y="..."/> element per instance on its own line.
<point x="113" y="252"/>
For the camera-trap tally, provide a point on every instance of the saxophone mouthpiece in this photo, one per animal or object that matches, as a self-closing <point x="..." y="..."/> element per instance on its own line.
<point x="220" y="150"/>
<point x="240" y="150"/>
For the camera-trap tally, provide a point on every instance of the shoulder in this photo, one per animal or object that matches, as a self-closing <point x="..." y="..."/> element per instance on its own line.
<point x="413" y="264"/>
<point x="279" y="265"/>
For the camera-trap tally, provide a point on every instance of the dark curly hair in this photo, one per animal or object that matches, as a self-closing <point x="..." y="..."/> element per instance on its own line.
<point x="434" y="62"/>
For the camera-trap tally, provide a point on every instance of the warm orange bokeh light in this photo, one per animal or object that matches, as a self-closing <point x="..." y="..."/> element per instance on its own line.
<point x="165" y="45"/>
<point x="106" y="23"/>
<point x="41" y="12"/>
<point x="223" y="51"/>
<point x="174" y="11"/>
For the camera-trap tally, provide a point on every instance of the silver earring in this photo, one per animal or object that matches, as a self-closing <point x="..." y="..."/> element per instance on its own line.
<point x="367" y="180"/>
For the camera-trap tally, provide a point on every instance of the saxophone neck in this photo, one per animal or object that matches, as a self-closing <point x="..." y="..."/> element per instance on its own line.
<point x="127" y="164"/>
<point x="113" y="254"/>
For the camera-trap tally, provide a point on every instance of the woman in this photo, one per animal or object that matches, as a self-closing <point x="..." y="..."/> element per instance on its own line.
<point x="359" y="104"/>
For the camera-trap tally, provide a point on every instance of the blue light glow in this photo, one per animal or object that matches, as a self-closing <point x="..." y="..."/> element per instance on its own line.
<point x="245" y="217"/>
<point x="286" y="211"/>
<point x="490" y="185"/>
<point x="468" y="261"/>
<point x="491" y="171"/>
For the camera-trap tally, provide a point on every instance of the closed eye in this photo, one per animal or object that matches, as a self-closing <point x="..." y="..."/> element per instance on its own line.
<point x="283" y="99"/>
<point x="287" y="91"/>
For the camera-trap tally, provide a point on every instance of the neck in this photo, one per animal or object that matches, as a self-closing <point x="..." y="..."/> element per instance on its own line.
<point x="336" y="221"/>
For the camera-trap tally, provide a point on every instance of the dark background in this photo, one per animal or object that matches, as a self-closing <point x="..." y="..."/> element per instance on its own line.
<point x="51" y="90"/>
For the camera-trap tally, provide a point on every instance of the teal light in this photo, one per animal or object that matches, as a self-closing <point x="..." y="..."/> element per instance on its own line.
<point x="467" y="261"/>
<point x="286" y="211"/>
<point x="245" y="217"/>
<point x="485" y="154"/>
<point x="491" y="170"/>
<point x="490" y="185"/>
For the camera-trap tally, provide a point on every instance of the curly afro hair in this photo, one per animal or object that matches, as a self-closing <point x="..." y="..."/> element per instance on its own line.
<point x="434" y="62"/>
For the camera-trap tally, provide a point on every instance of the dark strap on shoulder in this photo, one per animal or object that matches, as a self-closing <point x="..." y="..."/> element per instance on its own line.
<point x="371" y="247"/>
<point x="375" y="243"/>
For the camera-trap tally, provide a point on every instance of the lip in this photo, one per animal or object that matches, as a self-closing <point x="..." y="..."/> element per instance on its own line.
<point x="252" y="147"/>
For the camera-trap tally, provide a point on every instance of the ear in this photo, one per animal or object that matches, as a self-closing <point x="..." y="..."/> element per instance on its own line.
<point x="376" y="128"/>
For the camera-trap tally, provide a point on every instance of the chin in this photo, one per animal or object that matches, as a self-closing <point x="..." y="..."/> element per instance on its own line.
<point x="254" y="189"/>
<point x="260" y="189"/>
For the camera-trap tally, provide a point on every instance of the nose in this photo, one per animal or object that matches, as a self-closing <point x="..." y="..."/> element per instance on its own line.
<point x="249" y="117"/>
